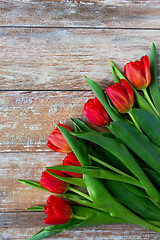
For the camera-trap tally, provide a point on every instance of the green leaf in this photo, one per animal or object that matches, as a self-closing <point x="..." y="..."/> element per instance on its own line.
<point x="80" y="149"/>
<point x="75" y="181"/>
<point x="120" y="151"/>
<point x="98" y="173"/>
<point x="153" y="86"/>
<point x="100" y="195"/>
<point x="54" y="229"/>
<point x="36" y="208"/>
<point x="156" y="223"/>
<point x="153" y="175"/>
<point x="76" y="129"/>
<point x="103" y="198"/>
<point x="109" y="158"/>
<point x="94" y="216"/>
<point x="138" y="143"/>
<point x="32" y="184"/>
<point x="81" y="125"/>
<point x="79" y="199"/>
<point x="100" y="95"/>
<point x="136" y="190"/>
<point x="99" y="163"/>
<point x="139" y="204"/>
<point x="115" y="78"/>
<point x="149" y="124"/>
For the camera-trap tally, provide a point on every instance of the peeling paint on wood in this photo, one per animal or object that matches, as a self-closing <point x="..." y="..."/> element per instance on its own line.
<point x="57" y="59"/>
<point x="16" y="196"/>
<point x="27" y="118"/>
<point x="81" y="13"/>
<point x="21" y="229"/>
<point x="49" y="45"/>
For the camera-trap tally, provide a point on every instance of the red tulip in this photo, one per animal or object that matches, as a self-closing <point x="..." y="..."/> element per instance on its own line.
<point x="138" y="73"/>
<point x="95" y="113"/>
<point x="58" y="211"/>
<point x="53" y="184"/>
<point x="121" y="95"/>
<point x="57" y="142"/>
<point x="71" y="160"/>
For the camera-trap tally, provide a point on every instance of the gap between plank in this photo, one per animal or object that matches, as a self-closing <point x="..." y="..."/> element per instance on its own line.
<point x="44" y="90"/>
<point x="19" y="211"/>
<point x="82" y="27"/>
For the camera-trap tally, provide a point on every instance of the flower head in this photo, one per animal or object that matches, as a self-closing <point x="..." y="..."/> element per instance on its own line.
<point x="58" y="211"/>
<point x="71" y="160"/>
<point x="53" y="184"/>
<point x="95" y="113"/>
<point x="138" y="73"/>
<point x="57" y="142"/>
<point x="121" y="95"/>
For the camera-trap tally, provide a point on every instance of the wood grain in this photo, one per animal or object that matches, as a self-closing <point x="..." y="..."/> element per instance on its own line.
<point x="57" y="59"/>
<point x="81" y="13"/>
<point x="17" y="224"/>
<point x="16" y="196"/>
<point x="22" y="227"/>
<point x="27" y="118"/>
<point x="45" y="49"/>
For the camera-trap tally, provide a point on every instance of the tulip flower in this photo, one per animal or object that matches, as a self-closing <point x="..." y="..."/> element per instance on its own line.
<point x="121" y="95"/>
<point x="95" y="113"/>
<point x="57" y="142"/>
<point x="138" y="73"/>
<point x="71" y="160"/>
<point x="58" y="211"/>
<point x="53" y="184"/>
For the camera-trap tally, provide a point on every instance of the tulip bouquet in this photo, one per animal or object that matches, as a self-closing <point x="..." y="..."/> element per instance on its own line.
<point x="111" y="176"/>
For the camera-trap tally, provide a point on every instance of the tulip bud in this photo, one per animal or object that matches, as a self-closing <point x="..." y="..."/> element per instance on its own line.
<point x="71" y="160"/>
<point x="95" y="113"/>
<point x="57" y="142"/>
<point x="121" y="95"/>
<point x="53" y="184"/>
<point x="138" y="73"/>
<point x="58" y="211"/>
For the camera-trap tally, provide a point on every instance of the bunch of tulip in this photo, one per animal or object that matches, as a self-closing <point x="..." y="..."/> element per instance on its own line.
<point x="111" y="176"/>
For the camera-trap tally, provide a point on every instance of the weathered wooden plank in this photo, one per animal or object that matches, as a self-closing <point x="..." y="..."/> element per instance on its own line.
<point x="24" y="225"/>
<point x="22" y="219"/>
<point x="40" y="58"/>
<point x="81" y="13"/>
<point x="16" y="196"/>
<point x="27" y="118"/>
<point x="16" y="224"/>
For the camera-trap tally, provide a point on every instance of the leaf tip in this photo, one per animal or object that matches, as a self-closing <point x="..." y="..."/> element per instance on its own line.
<point x="112" y="64"/>
<point x="19" y="180"/>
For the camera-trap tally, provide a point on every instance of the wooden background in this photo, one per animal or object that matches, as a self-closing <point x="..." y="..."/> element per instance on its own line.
<point x="45" y="49"/>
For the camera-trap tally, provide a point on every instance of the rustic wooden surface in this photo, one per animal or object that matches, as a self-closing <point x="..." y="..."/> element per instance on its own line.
<point x="45" y="49"/>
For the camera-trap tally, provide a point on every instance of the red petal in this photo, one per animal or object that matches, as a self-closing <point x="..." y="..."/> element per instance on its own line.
<point x="53" y="184"/>
<point x="58" y="211"/>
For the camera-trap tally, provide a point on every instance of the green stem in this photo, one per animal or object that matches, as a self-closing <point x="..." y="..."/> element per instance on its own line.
<point x="90" y="204"/>
<point x="150" y="101"/>
<point x="123" y="177"/>
<point x="134" y="121"/>
<point x="108" y="166"/>
<point x="78" y="217"/>
<point x="81" y="201"/>
<point x="80" y="193"/>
